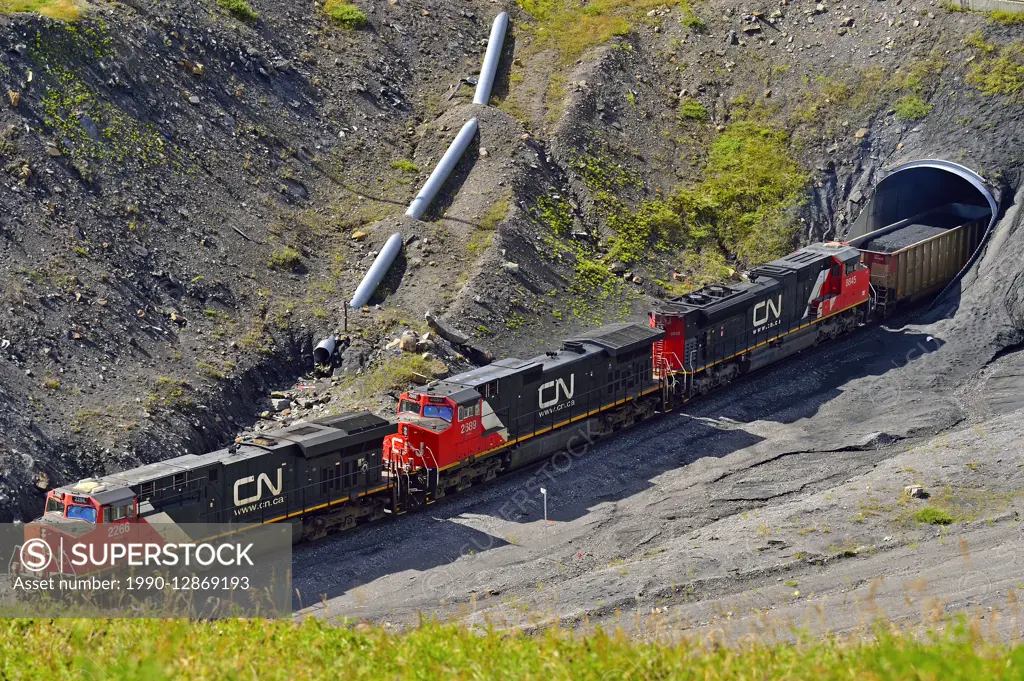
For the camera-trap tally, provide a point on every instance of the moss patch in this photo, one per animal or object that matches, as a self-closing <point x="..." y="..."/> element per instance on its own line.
<point x="286" y="258"/>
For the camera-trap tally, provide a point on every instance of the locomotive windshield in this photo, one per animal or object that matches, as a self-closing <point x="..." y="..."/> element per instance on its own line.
<point x="408" y="407"/>
<point x="86" y="513"/>
<point x="433" y="411"/>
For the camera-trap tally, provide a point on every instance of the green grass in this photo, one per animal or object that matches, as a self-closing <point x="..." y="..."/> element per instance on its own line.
<point x="1006" y="18"/>
<point x="345" y="14"/>
<point x="64" y="10"/>
<point x="571" y="27"/>
<point x="929" y="515"/>
<point x="396" y="373"/>
<point x="406" y="166"/>
<point x="286" y="258"/>
<point x="495" y="214"/>
<point x="156" y="650"/>
<point x="745" y="202"/>
<point x="912" y="108"/>
<point x="692" y="110"/>
<point x="996" y="70"/>
<point x="239" y="9"/>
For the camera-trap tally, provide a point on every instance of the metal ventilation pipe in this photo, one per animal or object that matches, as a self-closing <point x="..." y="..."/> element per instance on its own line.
<point x="323" y="352"/>
<point x="491" y="59"/>
<point x="377" y="270"/>
<point x="444" y="168"/>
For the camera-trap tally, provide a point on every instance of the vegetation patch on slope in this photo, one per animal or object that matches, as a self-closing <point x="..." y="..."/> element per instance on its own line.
<point x="996" y="70"/>
<point x="344" y="14"/>
<point x="572" y="27"/>
<point x="745" y="203"/>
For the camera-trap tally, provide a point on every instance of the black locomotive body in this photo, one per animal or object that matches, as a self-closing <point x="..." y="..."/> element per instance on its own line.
<point x="722" y="331"/>
<point x="282" y="474"/>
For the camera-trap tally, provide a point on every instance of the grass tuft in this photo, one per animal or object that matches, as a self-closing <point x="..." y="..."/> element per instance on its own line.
<point x="345" y="14"/>
<point x="396" y="373"/>
<point x="912" y="108"/>
<point x="571" y="27"/>
<point x="1006" y="18"/>
<point x="1000" y="69"/>
<point x="692" y="110"/>
<point x="286" y="258"/>
<point x="239" y="9"/>
<point x="929" y="515"/>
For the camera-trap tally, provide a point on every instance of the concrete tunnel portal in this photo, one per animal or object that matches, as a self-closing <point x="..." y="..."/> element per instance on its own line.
<point x="918" y="187"/>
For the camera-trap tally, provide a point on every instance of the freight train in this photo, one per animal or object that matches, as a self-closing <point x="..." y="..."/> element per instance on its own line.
<point x="335" y="473"/>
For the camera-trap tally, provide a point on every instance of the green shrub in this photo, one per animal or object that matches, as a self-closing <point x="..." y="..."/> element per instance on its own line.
<point x="692" y="110"/>
<point x="286" y="258"/>
<point x="912" y="108"/>
<point x="239" y="9"/>
<point x="930" y="515"/>
<point x="344" y="14"/>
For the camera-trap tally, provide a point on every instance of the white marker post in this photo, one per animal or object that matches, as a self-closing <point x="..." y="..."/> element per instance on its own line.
<point x="544" y="493"/>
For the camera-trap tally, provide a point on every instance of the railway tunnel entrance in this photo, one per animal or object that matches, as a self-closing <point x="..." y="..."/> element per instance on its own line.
<point x="927" y="196"/>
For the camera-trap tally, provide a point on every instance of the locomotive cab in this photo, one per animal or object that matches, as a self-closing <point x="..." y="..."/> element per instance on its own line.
<point x="90" y="502"/>
<point x="421" y="421"/>
<point x="437" y="430"/>
<point x="86" y="513"/>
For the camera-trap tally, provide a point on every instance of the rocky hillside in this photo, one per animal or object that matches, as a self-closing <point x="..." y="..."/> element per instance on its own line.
<point x="191" y="191"/>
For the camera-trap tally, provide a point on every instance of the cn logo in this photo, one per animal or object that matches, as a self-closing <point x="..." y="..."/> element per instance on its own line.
<point x="264" y="480"/>
<point x="562" y="391"/>
<point x="766" y="310"/>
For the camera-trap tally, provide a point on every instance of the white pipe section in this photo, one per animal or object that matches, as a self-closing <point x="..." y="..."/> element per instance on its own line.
<point x="377" y="270"/>
<point x="444" y="168"/>
<point x="491" y="59"/>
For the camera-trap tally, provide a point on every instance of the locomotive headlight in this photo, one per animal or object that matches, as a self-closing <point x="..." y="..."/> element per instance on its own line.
<point x="405" y="431"/>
